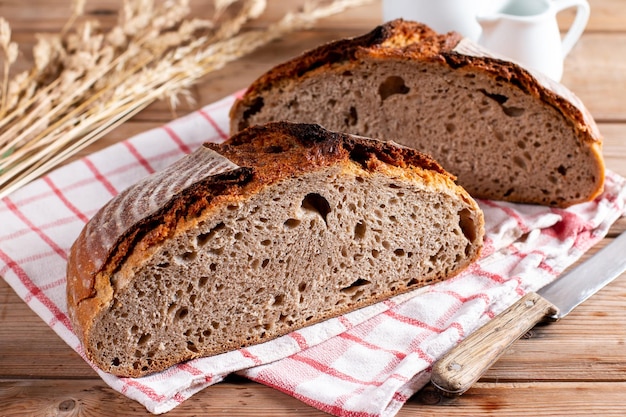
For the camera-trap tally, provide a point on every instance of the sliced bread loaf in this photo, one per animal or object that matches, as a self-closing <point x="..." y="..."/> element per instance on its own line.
<point x="281" y="227"/>
<point x="505" y="133"/>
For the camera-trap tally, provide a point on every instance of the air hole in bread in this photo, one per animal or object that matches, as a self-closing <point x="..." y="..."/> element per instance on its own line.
<point x="192" y="347"/>
<point x="352" y="288"/>
<point x="315" y="203"/>
<point x="216" y="251"/>
<point x="203" y="238"/>
<point x="412" y="282"/>
<point x="519" y="162"/>
<point x="467" y="225"/>
<point x="254" y="108"/>
<point x="562" y="170"/>
<point x="144" y="339"/>
<point x="513" y="111"/>
<point x="181" y="313"/>
<point x="282" y="318"/>
<point x="292" y="223"/>
<point x="391" y="86"/>
<point x="186" y="257"/>
<point x="352" y="118"/>
<point x="359" y="230"/>
<point x="399" y="252"/>
<point x="510" y="111"/>
<point x="171" y="308"/>
<point x="278" y="300"/>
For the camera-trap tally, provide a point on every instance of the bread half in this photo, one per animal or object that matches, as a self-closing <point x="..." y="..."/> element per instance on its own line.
<point x="282" y="226"/>
<point x="505" y="133"/>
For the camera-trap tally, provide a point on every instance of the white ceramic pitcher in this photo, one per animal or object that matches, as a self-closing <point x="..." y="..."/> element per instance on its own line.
<point x="526" y="31"/>
<point x="441" y="15"/>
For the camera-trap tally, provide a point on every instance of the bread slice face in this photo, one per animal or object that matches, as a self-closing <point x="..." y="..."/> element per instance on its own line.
<point x="505" y="133"/>
<point x="283" y="226"/>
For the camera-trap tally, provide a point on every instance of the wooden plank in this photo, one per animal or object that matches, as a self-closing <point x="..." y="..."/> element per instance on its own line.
<point x="57" y="12"/>
<point x="28" y="347"/>
<point x="595" y="80"/>
<point x="526" y="399"/>
<point x="614" y="146"/>
<point x="606" y="15"/>
<point x="239" y="397"/>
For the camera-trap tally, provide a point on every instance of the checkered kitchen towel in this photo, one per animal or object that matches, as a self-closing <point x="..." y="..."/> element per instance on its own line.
<point x="366" y="363"/>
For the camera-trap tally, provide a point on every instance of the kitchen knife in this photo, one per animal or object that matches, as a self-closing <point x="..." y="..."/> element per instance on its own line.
<point x="458" y="369"/>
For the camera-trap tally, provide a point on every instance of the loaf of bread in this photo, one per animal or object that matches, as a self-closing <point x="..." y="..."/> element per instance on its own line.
<point x="282" y="226"/>
<point x="505" y="133"/>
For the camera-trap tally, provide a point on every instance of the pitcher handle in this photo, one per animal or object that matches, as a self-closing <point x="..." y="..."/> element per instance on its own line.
<point x="579" y="24"/>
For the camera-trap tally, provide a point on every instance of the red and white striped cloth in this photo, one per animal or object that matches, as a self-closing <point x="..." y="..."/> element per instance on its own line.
<point x="367" y="363"/>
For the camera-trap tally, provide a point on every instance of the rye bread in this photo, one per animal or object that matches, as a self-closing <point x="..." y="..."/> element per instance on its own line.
<point x="280" y="227"/>
<point x="506" y="133"/>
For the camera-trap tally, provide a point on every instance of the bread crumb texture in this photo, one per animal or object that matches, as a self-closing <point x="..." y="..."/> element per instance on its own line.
<point x="324" y="225"/>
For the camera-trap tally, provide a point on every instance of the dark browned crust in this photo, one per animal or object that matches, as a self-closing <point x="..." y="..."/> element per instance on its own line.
<point x="409" y="41"/>
<point x="271" y="150"/>
<point x="265" y="154"/>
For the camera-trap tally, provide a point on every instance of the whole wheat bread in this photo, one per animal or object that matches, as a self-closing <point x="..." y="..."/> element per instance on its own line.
<point x="505" y="133"/>
<point x="281" y="227"/>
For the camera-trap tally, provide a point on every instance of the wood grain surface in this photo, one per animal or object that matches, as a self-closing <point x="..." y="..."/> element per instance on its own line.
<point x="576" y="367"/>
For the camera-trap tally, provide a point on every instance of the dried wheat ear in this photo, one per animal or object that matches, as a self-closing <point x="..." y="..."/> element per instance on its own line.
<point x="316" y="229"/>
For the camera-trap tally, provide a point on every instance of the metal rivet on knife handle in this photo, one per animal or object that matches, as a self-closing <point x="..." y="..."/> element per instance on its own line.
<point x="455" y="373"/>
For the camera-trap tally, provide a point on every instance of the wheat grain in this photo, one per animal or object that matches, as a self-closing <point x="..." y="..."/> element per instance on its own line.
<point x="85" y="82"/>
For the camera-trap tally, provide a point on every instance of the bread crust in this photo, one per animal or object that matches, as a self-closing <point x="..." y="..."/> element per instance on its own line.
<point x="103" y="245"/>
<point x="120" y="236"/>
<point x="409" y="41"/>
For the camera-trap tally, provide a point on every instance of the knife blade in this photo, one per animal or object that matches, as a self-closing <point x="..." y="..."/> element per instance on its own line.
<point x="464" y="364"/>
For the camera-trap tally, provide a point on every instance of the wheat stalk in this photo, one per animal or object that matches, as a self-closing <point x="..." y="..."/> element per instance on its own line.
<point x="85" y="82"/>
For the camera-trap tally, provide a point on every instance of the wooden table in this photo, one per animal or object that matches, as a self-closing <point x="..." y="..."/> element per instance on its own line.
<point x="575" y="367"/>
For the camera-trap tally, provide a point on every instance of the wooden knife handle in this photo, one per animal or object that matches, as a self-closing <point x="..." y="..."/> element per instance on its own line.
<point x="464" y="364"/>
